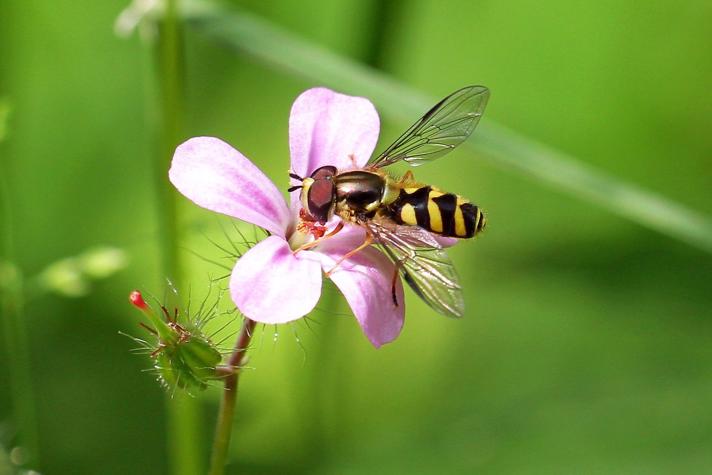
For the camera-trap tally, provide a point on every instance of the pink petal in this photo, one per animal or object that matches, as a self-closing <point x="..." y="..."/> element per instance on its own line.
<point x="215" y="176"/>
<point x="350" y="237"/>
<point x="271" y="285"/>
<point x="365" y="279"/>
<point x="328" y="128"/>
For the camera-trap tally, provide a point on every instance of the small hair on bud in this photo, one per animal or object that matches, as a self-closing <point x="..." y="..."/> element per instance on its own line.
<point x="137" y="300"/>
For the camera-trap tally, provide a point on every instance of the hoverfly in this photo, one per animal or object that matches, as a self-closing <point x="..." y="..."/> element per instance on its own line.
<point x="402" y="216"/>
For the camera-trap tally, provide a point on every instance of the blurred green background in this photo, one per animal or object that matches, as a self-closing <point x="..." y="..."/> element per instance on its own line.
<point x="587" y="344"/>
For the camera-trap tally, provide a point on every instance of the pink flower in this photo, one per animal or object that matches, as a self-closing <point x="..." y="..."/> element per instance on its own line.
<point x="271" y="284"/>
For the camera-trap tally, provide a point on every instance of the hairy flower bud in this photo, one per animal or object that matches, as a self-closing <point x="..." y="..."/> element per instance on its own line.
<point x="184" y="357"/>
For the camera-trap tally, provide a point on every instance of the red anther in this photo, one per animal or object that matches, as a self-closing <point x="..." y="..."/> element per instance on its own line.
<point x="308" y="225"/>
<point x="304" y="216"/>
<point x="137" y="301"/>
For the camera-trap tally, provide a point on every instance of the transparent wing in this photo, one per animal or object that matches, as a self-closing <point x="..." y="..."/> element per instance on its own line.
<point x="441" y="129"/>
<point x="424" y="265"/>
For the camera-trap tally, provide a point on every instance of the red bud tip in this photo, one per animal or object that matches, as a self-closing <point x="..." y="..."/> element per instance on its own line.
<point x="137" y="301"/>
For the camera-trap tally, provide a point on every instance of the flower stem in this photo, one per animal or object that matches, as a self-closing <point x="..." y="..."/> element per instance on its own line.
<point x="170" y="110"/>
<point x="223" y="430"/>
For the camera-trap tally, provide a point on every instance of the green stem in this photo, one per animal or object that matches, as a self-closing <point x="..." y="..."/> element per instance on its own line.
<point x="223" y="430"/>
<point x="16" y="341"/>
<point x="184" y="429"/>
<point x="170" y="96"/>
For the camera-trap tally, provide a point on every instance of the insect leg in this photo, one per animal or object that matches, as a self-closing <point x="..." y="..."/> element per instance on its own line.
<point x="367" y="242"/>
<point x="407" y="177"/>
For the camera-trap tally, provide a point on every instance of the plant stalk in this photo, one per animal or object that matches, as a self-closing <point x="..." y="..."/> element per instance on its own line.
<point x="165" y="115"/>
<point x="223" y="430"/>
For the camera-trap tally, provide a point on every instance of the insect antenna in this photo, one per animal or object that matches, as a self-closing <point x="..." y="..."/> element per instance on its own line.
<point x="292" y="188"/>
<point x="295" y="176"/>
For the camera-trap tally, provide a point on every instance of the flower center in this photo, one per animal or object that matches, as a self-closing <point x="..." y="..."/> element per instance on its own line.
<point x="297" y="239"/>
<point x="306" y="231"/>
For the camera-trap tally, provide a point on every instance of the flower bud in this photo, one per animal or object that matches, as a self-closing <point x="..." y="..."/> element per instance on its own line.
<point x="184" y="357"/>
<point x="189" y="364"/>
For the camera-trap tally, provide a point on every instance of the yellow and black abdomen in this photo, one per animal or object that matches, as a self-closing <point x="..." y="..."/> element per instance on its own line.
<point x="439" y="212"/>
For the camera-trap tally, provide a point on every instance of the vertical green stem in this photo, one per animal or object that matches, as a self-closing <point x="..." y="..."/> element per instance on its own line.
<point x="16" y="341"/>
<point x="170" y="104"/>
<point x="184" y="422"/>
<point x="223" y="430"/>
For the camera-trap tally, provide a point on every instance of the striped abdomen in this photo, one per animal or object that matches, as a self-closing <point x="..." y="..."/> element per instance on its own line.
<point x="441" y="213"/>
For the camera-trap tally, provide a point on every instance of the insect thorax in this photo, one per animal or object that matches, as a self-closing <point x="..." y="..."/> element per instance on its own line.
<point x="359" y="193"/>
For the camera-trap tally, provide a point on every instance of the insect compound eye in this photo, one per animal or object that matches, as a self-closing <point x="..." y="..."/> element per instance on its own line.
<point x="323" y="172"/>
<point x="319" y="199"/>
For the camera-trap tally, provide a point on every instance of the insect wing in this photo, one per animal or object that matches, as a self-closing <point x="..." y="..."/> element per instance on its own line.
<point x="425" y="266"/>
<point x="441" y="129"/>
